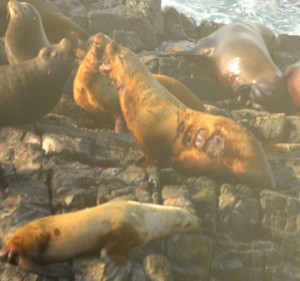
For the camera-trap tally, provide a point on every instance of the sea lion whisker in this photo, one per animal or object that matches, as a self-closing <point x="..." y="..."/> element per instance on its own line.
<point x="89" y="42"/>
<point x="7" y="13"/>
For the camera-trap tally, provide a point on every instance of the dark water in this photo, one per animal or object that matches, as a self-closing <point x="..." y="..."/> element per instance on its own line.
<point x="282" y="16"/>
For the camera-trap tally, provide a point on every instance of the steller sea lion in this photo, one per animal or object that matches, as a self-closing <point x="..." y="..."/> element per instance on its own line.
<point x="25" y="35"/>
<point x="241" y="60"/>
<point x="56" y="25"/>
<point x="95" y="93"/>
<point x="113" y="227"/>
<point x="31" y="89"/>
<point x="292" y="76"/>
<point x="169" y="133"/>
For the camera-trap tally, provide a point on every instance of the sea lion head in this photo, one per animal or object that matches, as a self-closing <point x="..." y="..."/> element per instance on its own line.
<point x="246" y="158"/>
<point x="56" y="59"/>
<point x="97" y="45"/>
<point x="21" y="11"/>
<point x="55" y="52"/>
<point x="269" y="92"/>
<point x="28" y="242"/>
<point x="123" y="65"/>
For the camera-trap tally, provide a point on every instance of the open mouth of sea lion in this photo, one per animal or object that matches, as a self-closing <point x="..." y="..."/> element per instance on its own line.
<point x="12" y="9"/>
<point x="9" y="256"/>
<point x="105" y="68"/>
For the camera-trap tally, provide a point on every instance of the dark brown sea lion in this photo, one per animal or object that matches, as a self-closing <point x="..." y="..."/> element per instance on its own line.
<point x="25" y="35"/>
<point x="57" y="26"/>
<point x="169" y="133"/>
<point x="113" y="228"/>
<point x="31" y="89"/>
<point x="95" y="93"/>
<point x="292" y="75"/>
<point x="241" y="60"/>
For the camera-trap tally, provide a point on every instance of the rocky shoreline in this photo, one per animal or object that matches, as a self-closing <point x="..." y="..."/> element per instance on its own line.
<point x="63" y="163"/>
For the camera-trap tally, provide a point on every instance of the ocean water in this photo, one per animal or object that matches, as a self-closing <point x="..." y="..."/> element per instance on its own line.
<point x="282" y="16"/>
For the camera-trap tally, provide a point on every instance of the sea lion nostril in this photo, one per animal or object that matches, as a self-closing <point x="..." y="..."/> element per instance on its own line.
<point x="13" y="257"/>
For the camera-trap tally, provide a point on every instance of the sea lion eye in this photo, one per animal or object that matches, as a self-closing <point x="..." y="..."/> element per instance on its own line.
<point x="45" y="53"/>
<point x="53" y="54"/>
<point x="121" y="56"/>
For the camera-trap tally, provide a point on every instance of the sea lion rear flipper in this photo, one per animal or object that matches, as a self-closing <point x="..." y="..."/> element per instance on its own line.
<point x="52" y="270"/>
<point x="113" y="271"/>
<point x="204" y="47"/>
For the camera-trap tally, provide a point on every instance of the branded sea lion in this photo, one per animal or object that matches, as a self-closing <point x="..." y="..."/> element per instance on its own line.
<point x="169" y="133"/>
<point x="95" y="93"/>
<point x="56" y="25"/>
<point x="292" y="76"/>
<point x="31" y="89"/>
<point x="114" y="228"/>
<point x="25" y="35"/>
<point x="241" y="60"/>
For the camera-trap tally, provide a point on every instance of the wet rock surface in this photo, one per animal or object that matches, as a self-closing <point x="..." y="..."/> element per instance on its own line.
<point x="63" y="163"/>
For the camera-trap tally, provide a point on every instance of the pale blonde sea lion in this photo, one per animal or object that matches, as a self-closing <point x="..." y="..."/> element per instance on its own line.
<point x="113" y="228"/>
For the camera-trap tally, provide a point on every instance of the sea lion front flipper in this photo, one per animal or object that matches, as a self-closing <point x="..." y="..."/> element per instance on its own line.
<point x="259" y="97"/>
<point x="113" y="271"/>
<point x="52" y="270"/>
<point x="153" y="175"/>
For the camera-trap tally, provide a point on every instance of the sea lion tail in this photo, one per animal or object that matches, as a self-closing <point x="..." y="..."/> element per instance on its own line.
<point x="203" y="48"/>
<point x="189" y="52"/>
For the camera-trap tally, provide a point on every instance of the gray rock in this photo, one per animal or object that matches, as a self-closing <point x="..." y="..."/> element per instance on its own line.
<point x="238" y="213"/>
<point x="128" y="39"/>
<point x="142" y="17"/>
<point x="173" y="195"/>
<point x="158" y="268"/>
<point x="280" y="221"/>
<point x="62" y="163"/>
<point x="177" y="26"/>
<point x="203" y="192"/>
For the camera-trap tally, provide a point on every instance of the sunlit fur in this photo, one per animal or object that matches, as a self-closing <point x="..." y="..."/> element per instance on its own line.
<point x="240" y="57"/>
<point x="94" y="92"/>
<point x="153" y="116"/>
<point x="115" y="226"/>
